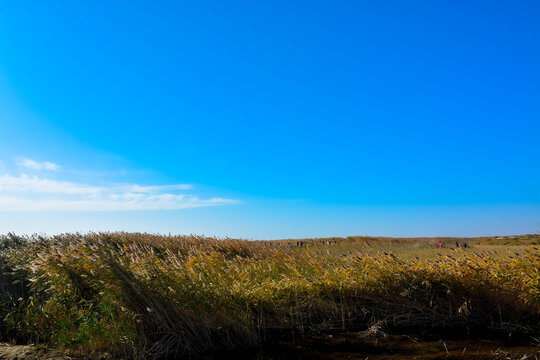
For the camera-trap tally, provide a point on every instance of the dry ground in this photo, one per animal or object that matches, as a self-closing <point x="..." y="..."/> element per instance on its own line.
<point x="29" y="352"/>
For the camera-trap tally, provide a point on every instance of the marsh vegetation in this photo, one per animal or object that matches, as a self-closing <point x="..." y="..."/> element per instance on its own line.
<point x="135" y="295"/>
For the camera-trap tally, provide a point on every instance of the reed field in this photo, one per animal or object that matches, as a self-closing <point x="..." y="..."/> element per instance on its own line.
<point x="136" y="296"/>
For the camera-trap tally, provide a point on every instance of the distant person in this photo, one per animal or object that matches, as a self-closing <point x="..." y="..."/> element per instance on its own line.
<point x="440" y="244"/>
<point x="465" y="245"/>
<point x="457" y="244"/>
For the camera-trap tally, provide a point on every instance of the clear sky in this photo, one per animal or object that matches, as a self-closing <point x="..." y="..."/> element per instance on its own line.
<point x="270" y="119"/>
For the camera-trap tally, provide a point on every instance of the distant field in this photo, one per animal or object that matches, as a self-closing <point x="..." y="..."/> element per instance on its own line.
<point x="141" y="295"/>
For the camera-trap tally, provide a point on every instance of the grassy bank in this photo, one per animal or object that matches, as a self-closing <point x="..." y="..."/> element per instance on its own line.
<point x="139" y="295"/>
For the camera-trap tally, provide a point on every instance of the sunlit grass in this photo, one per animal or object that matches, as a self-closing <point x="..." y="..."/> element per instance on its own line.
<point x="139" y="295"/>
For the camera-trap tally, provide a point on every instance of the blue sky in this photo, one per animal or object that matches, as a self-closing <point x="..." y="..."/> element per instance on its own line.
<point x="270" y="119"/>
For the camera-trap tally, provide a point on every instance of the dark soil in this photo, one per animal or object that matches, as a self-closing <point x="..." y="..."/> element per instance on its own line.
<point x="342" y="346"/>
<point x="397" y="347"/>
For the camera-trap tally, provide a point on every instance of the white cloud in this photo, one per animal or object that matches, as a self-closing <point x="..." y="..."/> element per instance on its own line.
<point x="33" y="193"/>
<point x="35" y="185"/>
<point x="46" y="165"/>
<point x="149" y="189"/>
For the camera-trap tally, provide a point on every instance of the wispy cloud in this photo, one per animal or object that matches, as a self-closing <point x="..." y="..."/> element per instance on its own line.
<point x="46" y="165"/>
<point x="33" y="193"/>
<point x="24" y="184"/>
<point x="154" y="188"/>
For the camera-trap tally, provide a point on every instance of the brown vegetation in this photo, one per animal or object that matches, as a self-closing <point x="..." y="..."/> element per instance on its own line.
<point x="141" y="295"/>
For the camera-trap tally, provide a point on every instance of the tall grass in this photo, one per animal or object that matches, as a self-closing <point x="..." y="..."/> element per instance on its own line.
<point x="141" y="295"/>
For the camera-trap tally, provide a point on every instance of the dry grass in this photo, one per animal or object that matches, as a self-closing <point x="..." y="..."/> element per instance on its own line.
<point x="141" y="295"/>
